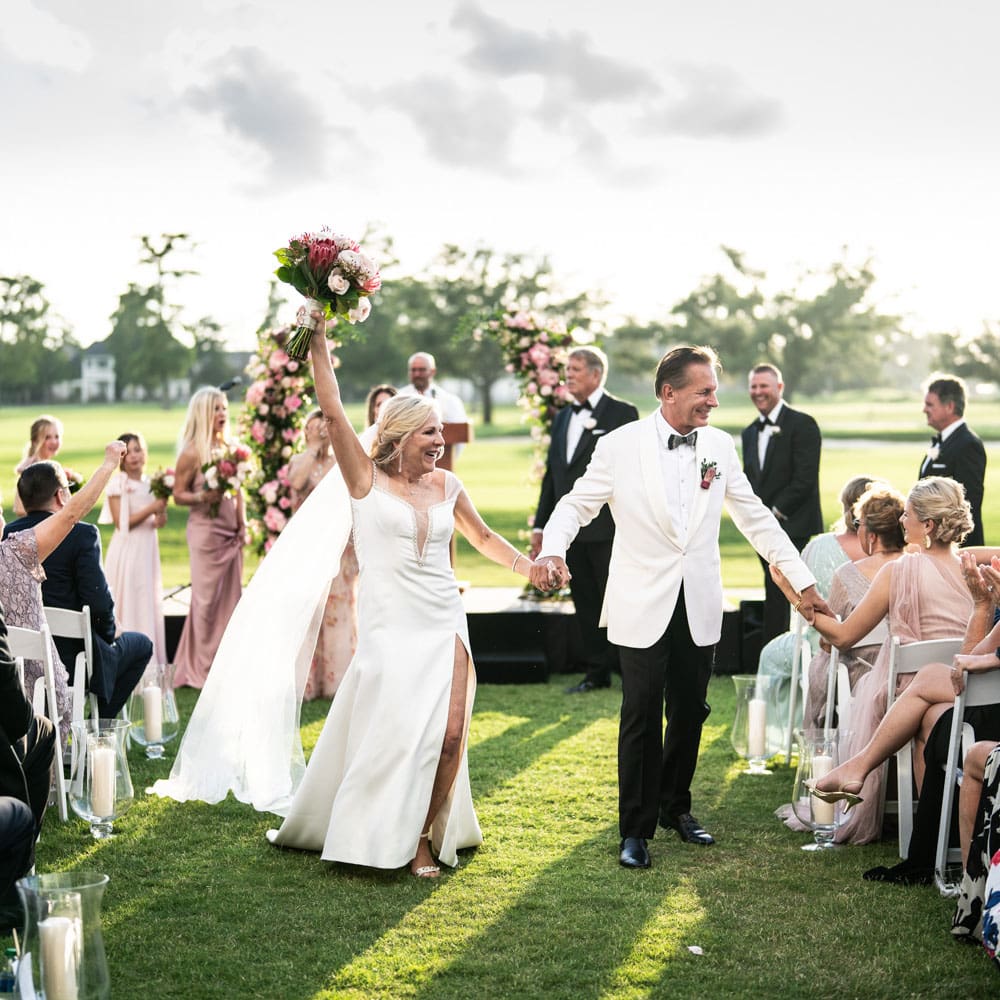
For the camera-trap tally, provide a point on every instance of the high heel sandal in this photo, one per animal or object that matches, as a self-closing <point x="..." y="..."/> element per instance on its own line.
<point x="850" y="799"/>
<point x="426" y="871"/>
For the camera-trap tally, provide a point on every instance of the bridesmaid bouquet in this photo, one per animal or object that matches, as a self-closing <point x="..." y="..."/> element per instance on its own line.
<point x="227" y="472"/>
<point x="335" y="277"/>
<point x="161" y="484"/>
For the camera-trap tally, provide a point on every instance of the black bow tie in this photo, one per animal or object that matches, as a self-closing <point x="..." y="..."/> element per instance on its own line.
<point x="766" y="422"/>
<point x="676" y="440"/>
<point x="936" y="440"/>
<point x="585" y="405"/>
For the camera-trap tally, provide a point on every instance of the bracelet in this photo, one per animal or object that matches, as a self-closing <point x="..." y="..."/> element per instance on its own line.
<point x="798" y="604"/>
<point x="514" y="563"/>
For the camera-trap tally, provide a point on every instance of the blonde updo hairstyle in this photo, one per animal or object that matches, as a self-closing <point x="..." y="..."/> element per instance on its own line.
<point x="942" y="501"/>
<point x="400" y="417"/>
<point x="879" y="509"/>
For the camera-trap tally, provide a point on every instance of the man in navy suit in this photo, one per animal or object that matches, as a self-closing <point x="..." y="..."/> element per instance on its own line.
<point x="781" y="450"/>
<point x="575" y="431"/>
<point x="955" y="451"/>
<point x="74" y="578"/>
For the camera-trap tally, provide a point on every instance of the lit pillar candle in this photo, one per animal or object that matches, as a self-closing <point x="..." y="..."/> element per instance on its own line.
<point x="757" y="719"/>
<point x="152" y="713"/>
<point x="822" y="812"/>
<point x="102" y="791"/>
<point x="58" y="952"/>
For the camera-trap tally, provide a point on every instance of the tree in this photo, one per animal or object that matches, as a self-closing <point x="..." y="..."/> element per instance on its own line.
<point x="977" y="360"/>
<point x="142" y="340"/>
<point x="36" y="348"/>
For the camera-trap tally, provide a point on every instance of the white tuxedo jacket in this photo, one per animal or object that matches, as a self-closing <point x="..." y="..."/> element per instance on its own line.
<point x="648" y="560"/>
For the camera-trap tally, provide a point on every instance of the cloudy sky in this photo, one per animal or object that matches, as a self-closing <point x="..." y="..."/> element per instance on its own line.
<point x="625" y="140"/>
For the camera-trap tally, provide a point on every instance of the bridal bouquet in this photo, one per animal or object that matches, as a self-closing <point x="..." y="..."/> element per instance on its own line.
<point x="335" y="277"/>
<point x="227" y="472"/>
<point x="161" y="484"/>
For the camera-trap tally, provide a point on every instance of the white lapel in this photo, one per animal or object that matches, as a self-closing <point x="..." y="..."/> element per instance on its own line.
<point x="652" y="476"/>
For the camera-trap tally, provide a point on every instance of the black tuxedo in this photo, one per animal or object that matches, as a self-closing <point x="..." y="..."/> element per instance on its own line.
<point x="74" y="577"/>
<point x="788" y="483"/>
<point x="962" y="457"/>
<point x="27" y="746"/>
<point x="589" y="556"/>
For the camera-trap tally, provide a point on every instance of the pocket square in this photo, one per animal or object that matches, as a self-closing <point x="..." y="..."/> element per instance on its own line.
<point x="597" y="430"/>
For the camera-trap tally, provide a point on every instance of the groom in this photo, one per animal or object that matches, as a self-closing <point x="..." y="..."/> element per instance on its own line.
<point x="665" y="479"/>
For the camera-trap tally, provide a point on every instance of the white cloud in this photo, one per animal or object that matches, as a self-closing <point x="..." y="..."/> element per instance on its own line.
<point x="37" y="37"/>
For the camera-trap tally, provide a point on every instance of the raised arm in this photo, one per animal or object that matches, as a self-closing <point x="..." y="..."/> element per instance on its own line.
<point x="355" y="465"/>
<point x="486" y="541"/>
<point x="50" y="532"/>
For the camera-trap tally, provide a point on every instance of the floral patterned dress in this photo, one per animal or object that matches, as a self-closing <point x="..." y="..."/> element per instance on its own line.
<point x="977" y="917"/>
<point x="21" y="577"/>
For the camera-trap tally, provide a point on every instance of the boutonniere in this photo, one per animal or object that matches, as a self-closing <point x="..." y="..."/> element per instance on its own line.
<point x="775" y="431"/>
<point x="590" y="424"/>
<point x="933" y="452"/>
<point x="709" y="471"/>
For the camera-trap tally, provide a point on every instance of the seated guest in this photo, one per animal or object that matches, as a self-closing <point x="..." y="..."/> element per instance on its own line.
<point x="27" y="746"/>
<point x="21" y="573"/>
<point x="824" y="554"/>
<point x="876" y="519"/>
<point x="924" y="596"/>
<point x="74" y="578"/>
<point x="924" y="710"/>
<point x="976" y="917"/>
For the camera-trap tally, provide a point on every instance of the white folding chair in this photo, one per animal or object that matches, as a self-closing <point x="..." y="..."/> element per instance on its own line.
<point x="32" y="644"/>
<point x="840" y="677"/>
<point x="801" y="654"/>
<point x="68" y="624"/>
<point x="908" y="659"/>
<point x="980" y="689"/>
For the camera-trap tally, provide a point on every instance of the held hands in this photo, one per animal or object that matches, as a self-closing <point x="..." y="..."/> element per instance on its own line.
<point x="807" y="603"/>
<point x="549" y="574"/>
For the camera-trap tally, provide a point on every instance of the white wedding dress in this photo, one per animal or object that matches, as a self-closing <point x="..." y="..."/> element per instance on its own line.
<point x="364" y="796"/>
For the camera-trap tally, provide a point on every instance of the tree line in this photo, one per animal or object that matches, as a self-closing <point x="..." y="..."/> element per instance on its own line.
<point x="826" y="333"/>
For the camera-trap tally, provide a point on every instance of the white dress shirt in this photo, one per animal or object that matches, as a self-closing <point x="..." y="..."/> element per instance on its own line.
<point x="764" y="433"/>
<point x="578" y="423"/>
<point x="678" y="467"/>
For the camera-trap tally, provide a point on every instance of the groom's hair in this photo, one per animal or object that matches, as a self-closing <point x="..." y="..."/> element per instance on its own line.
<point x="673" y="366"/>
<point x="39" y="483"/>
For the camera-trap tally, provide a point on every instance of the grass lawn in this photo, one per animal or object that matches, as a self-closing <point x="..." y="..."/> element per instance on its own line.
<point x="200" y="906"/>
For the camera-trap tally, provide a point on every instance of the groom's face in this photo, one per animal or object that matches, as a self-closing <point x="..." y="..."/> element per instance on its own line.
<point x="691" y="405"/>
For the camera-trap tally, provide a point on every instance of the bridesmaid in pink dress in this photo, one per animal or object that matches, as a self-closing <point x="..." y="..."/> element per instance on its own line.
<point x="215" y="543"/>
<point x="132" y="563"/>
<point x="925" y="596"/>
<point x="338" y="635"/>
<point x="44" y="441"/>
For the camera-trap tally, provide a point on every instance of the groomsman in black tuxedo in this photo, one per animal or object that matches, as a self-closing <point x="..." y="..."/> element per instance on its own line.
<point x="955" y="450"/>
<point x="781" y="451"/>
<point x="575" y="431"/>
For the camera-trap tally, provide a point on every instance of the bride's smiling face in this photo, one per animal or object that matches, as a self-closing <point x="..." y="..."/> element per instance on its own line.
<point x="424" y="447"/>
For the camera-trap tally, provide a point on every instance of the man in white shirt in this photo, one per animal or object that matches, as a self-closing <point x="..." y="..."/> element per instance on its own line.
<point x="665" y="479"/>
<point x="422" y="369"/>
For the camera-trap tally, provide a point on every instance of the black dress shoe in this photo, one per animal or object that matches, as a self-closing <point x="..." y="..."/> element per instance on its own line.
<point x="689" y="829"/>
<point x="634" y="853"/>
<point x="904" y="873"/>
<point x="585" y="686"/>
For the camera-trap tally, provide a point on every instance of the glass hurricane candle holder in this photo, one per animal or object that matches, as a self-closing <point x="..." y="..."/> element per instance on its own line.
<point x="153" y="710"/>
<point x="62" y="948"/>
<point x="100" y="785"/>
<point x="752" y="737"/>
<point x="819" y="754"/>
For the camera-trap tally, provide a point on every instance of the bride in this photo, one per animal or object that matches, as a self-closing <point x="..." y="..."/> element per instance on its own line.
<point x="388" y="781"/>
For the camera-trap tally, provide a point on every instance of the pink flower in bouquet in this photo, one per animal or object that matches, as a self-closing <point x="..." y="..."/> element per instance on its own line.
<point x="292" y="403"/>
<point x="335" y="277"/>
<point x="161" y="484"/>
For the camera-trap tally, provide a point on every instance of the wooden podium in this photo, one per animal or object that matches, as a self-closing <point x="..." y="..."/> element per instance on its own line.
<point x="453" y="434"/>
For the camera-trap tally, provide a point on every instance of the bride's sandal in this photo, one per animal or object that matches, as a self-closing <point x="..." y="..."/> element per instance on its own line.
<point x="425" y="871"/>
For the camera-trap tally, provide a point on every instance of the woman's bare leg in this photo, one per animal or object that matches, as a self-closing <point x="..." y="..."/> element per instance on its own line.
<point x="973" y="773"/>
<point x="931" y="687"/>
<point x="451" y="753"/>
